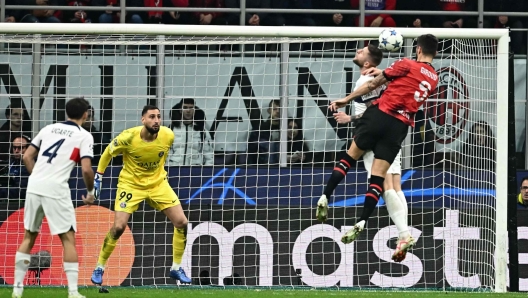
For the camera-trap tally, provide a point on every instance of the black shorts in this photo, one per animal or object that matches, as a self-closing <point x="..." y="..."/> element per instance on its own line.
<point x="381" y="133"/>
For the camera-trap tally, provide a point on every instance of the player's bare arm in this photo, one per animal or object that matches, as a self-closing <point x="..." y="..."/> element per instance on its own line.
<point x="362" y="90"/>
<point x="343" y="118"/>
<point x="29" y="158"/>
<point x="88" y="177"/>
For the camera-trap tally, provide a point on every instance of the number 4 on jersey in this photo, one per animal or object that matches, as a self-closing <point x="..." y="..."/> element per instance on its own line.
<point x="51" y="152"/>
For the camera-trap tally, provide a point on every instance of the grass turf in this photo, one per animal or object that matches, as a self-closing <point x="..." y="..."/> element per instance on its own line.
<point x="245" y="293"/>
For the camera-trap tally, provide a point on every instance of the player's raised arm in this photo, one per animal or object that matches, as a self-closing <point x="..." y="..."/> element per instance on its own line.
<point x="116" y="147"/>
<point x="104" y="160"/>
<point x="362" y="90"/>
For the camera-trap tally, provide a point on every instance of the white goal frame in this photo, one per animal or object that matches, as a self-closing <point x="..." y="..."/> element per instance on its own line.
<point x="500" y="35"/>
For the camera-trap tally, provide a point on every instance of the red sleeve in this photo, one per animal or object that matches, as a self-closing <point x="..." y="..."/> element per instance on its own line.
<point x="390" y="5"/>
<point x="354" y="4"/>
<point x="399" y="68"/>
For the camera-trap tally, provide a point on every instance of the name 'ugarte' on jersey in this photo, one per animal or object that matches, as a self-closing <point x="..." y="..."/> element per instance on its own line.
<point x="61" y="146"/>
<point x="143" y="162"/>
<point x="360" y="102"/>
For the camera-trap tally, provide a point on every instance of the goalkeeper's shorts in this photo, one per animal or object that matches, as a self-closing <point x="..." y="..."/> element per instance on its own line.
<point x="160" y="197"/>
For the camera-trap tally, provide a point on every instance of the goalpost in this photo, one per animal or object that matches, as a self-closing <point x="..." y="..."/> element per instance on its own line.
<point x="250" y="200"/>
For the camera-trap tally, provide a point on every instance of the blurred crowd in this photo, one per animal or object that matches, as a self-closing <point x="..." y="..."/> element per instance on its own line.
<point x="279" y="19"/>
<point x="194" y="145"/>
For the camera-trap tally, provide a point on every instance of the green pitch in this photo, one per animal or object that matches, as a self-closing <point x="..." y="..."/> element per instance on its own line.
<point x="245" y="293"/>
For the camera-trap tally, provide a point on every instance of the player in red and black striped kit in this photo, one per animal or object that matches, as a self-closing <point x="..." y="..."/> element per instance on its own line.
<point x="382" y="129"/>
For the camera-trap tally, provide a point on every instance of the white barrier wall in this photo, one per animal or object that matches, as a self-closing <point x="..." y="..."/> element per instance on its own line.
<point x="129" y="81"/>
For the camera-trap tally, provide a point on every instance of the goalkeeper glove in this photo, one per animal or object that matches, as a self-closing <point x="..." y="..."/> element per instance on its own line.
<point x="97" y="184"/>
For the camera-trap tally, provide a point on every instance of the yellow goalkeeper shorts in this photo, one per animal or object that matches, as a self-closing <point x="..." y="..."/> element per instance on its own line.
<point x="160" y="198"/>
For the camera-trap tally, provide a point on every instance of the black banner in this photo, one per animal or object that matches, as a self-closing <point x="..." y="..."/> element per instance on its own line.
<point x="286" y="246"/>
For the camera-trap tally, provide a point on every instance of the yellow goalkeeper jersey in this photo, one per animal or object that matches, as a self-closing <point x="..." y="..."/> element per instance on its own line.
<point x="143" y="162"/>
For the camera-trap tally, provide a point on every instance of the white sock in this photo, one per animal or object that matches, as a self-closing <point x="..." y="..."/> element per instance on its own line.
<point x="21" y="267"/>
<point x="72" y="274"/>
<point x="403" y="200"/>
<point x="99" y="266"/>
<point x="361" y="225"/>
<point x="175" y="266"/>
<point x="396" y="212"/>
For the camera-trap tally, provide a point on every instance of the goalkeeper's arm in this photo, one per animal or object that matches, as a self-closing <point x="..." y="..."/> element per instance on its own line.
<point x="104" y="160"/>
<point x="101" y="167"/>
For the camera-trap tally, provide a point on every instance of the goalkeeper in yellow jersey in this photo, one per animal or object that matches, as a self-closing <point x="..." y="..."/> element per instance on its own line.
<point x="142" y="178"/>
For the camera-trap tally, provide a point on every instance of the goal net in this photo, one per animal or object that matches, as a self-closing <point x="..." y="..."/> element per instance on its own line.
<point x="254" y="146"/>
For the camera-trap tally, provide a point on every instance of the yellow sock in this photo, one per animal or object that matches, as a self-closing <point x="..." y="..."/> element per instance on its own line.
<point x="108" y="247"/>
<point x="179" y="240"/>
